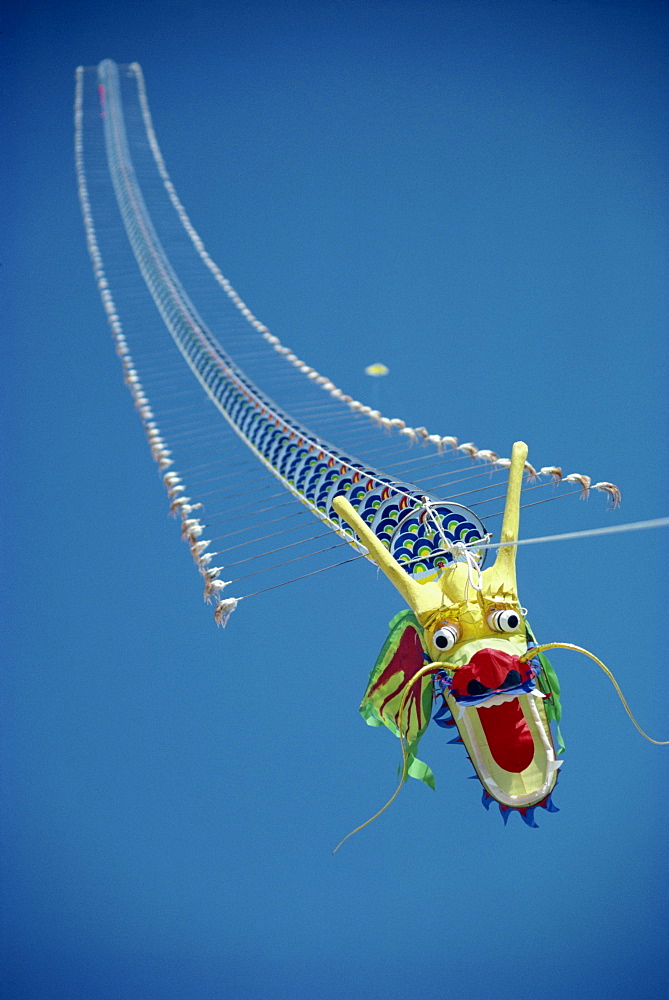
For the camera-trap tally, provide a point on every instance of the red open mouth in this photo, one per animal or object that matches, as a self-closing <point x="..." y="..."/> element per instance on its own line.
<point x="508" y="735"/>
<point x="506" y="730"/>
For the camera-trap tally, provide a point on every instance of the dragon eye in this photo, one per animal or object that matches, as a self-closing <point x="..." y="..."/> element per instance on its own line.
<point x="446" y="637"/>
<point x="504" y="621"/>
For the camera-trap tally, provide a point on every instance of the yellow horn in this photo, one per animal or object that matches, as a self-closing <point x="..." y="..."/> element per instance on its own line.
<point x="421" y="597"/>
<point x="501" y="577"/>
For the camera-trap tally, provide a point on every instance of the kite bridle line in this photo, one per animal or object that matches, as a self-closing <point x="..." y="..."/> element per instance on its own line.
<point x="660" y="522"/>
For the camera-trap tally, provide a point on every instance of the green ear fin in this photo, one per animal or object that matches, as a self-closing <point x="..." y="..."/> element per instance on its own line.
<point x="548" y="684"/>
<point x="401" y="657"/>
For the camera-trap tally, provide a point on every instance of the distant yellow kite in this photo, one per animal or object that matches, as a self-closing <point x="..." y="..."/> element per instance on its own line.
<point x="376" y="370"/>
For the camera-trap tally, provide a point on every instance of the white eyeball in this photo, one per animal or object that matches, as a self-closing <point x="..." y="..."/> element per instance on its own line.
<point x="446" y="637"/>
<point x="504" y="621"/>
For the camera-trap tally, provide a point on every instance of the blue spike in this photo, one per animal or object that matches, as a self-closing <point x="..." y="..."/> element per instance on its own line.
<point x="457" y="739"/>
<point x="505" y="814"/>
<point x="528" y="817"/>
<point x="550" y="806"/>
<point x="486" y="799"/>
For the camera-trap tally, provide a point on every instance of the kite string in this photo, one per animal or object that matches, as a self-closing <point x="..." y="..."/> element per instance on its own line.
<point x="429" y="668"/>
<point x="612" y="529"/>
<point x="579" y="649"/>
<point x="657" y="523"/>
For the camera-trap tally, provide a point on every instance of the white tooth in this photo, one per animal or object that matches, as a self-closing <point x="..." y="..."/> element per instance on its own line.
<point x="496" y="699"/>
<point x="460" y="712"/>
<point x="536" y="693"/>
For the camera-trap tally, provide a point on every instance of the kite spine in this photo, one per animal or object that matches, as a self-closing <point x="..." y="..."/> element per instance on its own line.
<point x="310" y="468"/>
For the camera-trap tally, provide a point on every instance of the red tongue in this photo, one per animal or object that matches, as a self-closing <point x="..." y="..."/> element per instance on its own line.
<point x="508" y="735"/>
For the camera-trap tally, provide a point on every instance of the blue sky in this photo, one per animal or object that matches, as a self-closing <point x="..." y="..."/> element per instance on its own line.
<point x="474" y="193"/>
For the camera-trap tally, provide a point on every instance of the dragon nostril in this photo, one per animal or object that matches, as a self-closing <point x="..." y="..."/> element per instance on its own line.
<point x="475" y="687"/>
<point x="513" y="679"/>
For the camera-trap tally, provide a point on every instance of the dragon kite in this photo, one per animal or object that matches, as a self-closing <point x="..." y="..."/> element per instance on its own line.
<point x="464" y="641"/>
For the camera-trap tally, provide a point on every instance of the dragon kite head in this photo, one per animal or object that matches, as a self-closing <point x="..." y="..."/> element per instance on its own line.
<point x="469" y="626"/>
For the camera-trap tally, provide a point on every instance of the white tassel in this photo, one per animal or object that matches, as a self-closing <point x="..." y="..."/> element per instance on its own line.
<point x="577" y="477"/>
<point x="551" y="470"/>
<point x="178" y="502"/>
<point x="191" y="528"/>
<point x="213" y="587"/>
<point x="224" y="609"/>
<point x="612" y="491"/>
<point x="188" y="508"/>
<point x="203" y="561"/>
<point x="198" y="547"/>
